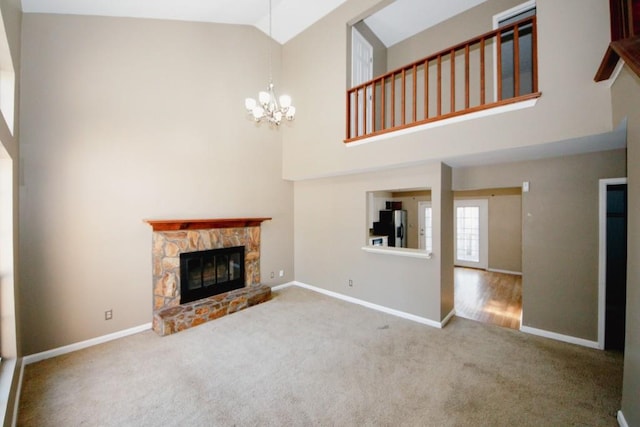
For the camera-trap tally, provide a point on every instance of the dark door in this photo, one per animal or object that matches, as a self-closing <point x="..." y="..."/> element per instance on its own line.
<point x="616" y="278"/>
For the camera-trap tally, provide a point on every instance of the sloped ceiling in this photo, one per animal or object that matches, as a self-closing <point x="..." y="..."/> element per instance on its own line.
<point x="405" y="18"/>
<point x="399" y="20"/>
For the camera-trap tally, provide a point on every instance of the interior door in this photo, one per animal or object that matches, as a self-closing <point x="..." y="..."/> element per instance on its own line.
<point x="616" y="266"/>
<point x="471" y="225"/>
<point x="361" y="72"/>
<point x="425" y="229"/>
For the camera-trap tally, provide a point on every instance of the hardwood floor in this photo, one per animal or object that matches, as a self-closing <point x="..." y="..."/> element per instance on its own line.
<point x="488" y="297"/>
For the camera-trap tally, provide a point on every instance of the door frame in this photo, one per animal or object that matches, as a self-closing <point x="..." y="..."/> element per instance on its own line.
<point x="497" y="18"/>
<point x="484" y="232"/>
<point x="421" y="224"/>
<point x="358" y="38"/>
<point x="602" y="253"/>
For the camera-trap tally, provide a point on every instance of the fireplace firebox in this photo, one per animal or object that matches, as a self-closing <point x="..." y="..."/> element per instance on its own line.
<point x="211" y="272"/>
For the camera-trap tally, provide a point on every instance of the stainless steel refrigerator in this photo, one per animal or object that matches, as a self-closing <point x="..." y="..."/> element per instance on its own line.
<point x="393" y="223"/>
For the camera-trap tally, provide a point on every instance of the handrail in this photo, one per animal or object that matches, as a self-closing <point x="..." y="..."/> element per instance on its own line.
<point x="371" y="112"/>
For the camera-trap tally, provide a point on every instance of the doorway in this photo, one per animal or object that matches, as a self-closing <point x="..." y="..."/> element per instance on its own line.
<point x="612" y="264"/>
<point x="488" y="296"/>
<point x="425" y="229"/>
<point x="361" y="72"/>
<point x="514" y="60"/>
<point x="488" y="255"/>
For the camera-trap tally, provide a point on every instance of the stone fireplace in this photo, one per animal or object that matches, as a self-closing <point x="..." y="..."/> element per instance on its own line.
<point x="171" y="238"/>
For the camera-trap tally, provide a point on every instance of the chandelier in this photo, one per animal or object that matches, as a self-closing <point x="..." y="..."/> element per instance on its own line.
<point x="269" y="107"/>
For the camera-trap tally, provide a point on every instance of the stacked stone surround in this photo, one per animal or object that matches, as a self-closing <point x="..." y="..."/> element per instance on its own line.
<point x="169" y="315"/>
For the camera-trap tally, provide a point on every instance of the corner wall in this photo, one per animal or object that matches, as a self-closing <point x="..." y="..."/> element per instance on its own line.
<point x="132" y="119"/>
<point x="11" y="327"/>
<point x="331" y="229"/>
<point x="626" y="103"/>
<point x="560" y="235"/>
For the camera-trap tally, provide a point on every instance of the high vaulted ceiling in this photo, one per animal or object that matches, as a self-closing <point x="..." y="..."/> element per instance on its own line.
<point x="399" y="20"/>
<point x="289" y="17"/>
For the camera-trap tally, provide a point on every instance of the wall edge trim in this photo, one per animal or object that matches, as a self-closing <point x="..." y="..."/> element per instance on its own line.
<point x="622" y="422"/>
<point x="387" y="310"/>
<point x="37" y="357"/>
<point x="560" y="337"/>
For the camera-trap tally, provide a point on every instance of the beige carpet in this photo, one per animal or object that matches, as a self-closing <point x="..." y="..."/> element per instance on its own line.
<point x="307" y="359"/>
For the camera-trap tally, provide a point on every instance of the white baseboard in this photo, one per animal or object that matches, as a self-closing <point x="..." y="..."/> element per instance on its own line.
<point x="497" y="270"/>
<point x="16" y="405"/>
<point x="621" y="420"/>
<point x="447" y="318"/>
<point x="284" y="285"/>
<point x="560" y="337"/>
<point x="372" y="306"/>
<point x="7" y="372"/>
<point x="33" y="358"/>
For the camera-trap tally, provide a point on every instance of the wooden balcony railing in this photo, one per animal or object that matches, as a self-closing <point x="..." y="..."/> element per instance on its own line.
<point x="494" y="69"/>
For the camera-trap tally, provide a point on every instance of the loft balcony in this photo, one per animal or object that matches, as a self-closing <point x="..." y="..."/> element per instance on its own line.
<point x="492" y="70"/>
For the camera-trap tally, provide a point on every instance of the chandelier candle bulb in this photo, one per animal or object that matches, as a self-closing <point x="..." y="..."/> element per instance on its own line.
<point x="285" y="101"/>
<point x="250" y="104"/>
<point x="264" y="97"/>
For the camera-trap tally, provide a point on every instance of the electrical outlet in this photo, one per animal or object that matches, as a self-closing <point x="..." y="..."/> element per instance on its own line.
<point x="272" y="275"/>
<point x="281" y="273"/>
<point x="108" y="315"/>
<point x="350" y="283"/>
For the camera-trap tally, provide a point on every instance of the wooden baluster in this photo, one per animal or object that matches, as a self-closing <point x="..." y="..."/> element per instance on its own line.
<point x="482" y="71"/>
<point x="534" y="53"/>
<point x="516" y="62"/>
<point x="415" y="93"/>
<point x="499" y="63"/>
<point x="383" y="119"/>
<point x="365" y="102"/>
<point x="393" y="100"/>
<point x="373" y="106"/>
<point x="356" y="102"/>
<point x="426" y="89"/>
<point x="403" y="97"/>
<point x="466" y="77"/>
<point x="348" y="133"/>
<point x="453" y="81"/>
<point x="439" y="85"/>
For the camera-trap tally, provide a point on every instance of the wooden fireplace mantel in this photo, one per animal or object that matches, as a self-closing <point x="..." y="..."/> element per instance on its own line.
<point x="201" y="224"/>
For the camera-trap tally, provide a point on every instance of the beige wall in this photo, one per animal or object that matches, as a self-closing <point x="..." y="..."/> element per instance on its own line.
<point x="560" y="235"/>
<point x="478" y="20"/>
<point x="331" y="229"/>
<point x="572" y="37"/>
<point x="442" y="209"/>
<point x="626" y="103"/>
<point x="127" y="119"/>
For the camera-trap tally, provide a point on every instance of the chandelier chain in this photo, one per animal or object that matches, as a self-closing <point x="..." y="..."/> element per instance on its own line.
<point x="268" y="107"/>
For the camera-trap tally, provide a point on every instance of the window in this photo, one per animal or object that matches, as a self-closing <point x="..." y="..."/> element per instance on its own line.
<point x="471" y="228"/>
<point x="468" y="233"/>
<point x="399" y="222"/>
<point x="507" y="51"/>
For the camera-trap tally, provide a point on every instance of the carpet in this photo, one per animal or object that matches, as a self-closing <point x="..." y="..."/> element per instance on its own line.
<point x="303" y="358"/>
